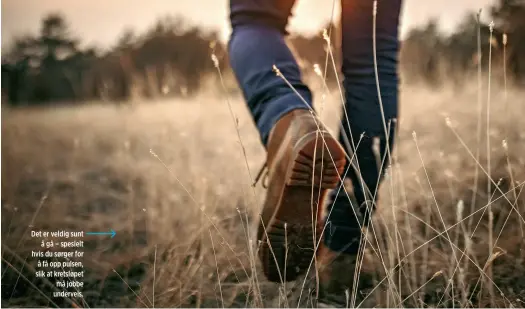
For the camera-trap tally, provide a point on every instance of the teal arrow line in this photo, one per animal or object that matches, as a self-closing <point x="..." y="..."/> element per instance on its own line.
<point x="111" y="232"/>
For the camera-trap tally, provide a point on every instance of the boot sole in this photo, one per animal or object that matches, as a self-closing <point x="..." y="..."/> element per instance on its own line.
<point x="287" y="241"/>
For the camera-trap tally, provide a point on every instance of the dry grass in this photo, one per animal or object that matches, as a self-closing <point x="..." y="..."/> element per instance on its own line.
<point x="171" y="179"/>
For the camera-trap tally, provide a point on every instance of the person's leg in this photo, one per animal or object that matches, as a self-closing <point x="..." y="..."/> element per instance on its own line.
<point x="256" y="44"/>
<point x="363" y="121"/>
<point x="303" y="159"/>
<point x="363" y="124"/>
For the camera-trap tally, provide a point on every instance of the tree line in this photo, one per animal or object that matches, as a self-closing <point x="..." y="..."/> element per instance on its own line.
<point x="437" y="58"/>
<point x="173" y="57"/>
<point x="168" y="59"/>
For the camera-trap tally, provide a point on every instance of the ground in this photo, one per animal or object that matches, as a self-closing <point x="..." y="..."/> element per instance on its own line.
<point x="173" y="179"/>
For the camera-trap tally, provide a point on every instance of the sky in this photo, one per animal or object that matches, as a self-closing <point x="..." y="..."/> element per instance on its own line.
<point x="101" y="22"/>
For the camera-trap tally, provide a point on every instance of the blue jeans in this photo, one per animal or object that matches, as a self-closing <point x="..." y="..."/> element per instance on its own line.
<point x="257" y="43"/>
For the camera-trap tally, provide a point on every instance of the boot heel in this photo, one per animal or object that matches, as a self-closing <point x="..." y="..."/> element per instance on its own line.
<point x="318" y="162"/>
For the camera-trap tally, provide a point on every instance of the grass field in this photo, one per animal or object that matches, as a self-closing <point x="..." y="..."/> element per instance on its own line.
<point x="173" y="179"/>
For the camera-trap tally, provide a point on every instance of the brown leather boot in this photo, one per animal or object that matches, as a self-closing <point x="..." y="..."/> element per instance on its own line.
<point x="304" y="161"/>
<point x="336" y="275"/>
<point x="336" y="279"/>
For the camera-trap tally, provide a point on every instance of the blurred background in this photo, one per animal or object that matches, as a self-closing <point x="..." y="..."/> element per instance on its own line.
<point x="79" y="51"/>
<point x="115" y="117"/>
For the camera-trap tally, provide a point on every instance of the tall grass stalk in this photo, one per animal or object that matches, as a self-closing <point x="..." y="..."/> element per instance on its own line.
<point x="489" y="169"/>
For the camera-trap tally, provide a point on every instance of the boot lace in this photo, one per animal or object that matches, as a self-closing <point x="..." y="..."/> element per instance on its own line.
<point x="263" y="173"/>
